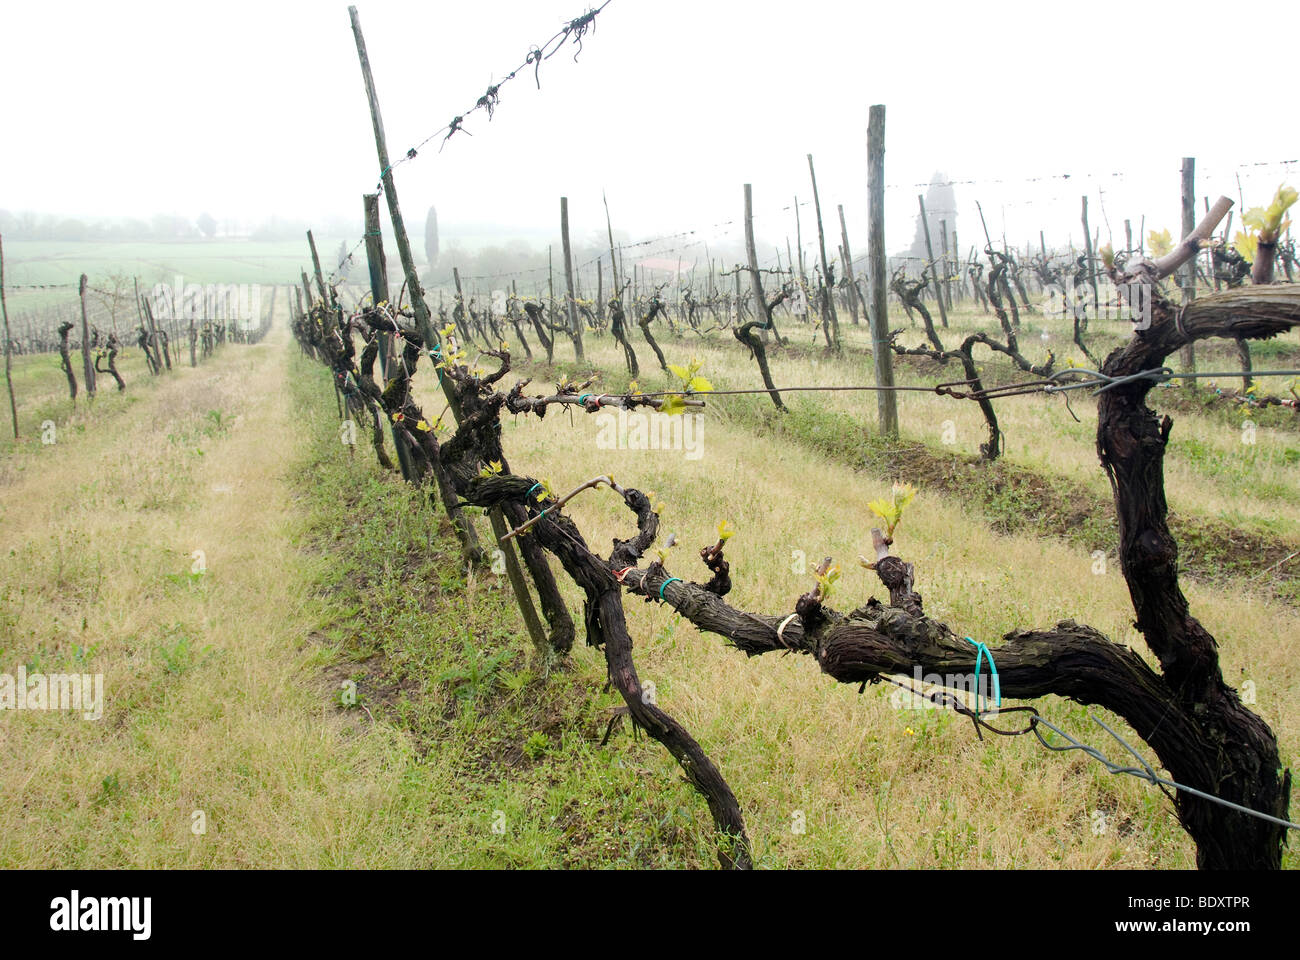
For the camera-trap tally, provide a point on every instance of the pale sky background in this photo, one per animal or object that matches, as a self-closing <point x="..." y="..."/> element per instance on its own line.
<point x="249" y="109"/>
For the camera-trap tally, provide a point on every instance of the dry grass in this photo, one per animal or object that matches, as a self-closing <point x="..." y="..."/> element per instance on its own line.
<point x="210" y="699"/>
<point x="96" y="536"/>
<point x="881" y="786"/>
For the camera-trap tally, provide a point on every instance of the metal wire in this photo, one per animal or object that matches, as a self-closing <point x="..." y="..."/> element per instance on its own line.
<point x="947" y="699"/>
<point x="1144" y="772"/>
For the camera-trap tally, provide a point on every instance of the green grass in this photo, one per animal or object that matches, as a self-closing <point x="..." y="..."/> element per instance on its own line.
<point x="199" y="261"/>
<point x="444" y="656"/>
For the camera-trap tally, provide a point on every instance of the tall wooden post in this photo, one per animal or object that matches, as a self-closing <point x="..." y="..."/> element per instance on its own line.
<point x="1128" y="236"/>
<point x="315" y="265"/>
<point x="575" y="325"/>
<point x="413" y="288"/>
<point x="848" y="264"/>
<point x="947" y="265"/>
<point x="425" y="327"/>
<point x="613" y="260"/>
<point x="1090" y="251"/>
<point x="929" y="252"/>
<point x="798" y="239"/>
<point x="146" y="317"/>
<point x="760" y="302"/>
<point x="1189" y="271"/>
<point x="86" y="363"/>
<point x="550" y="281"/>
<point x="886" y="399"/>
<point x="4" y="310"/>
<point x="956" y="266"/>
<point x="377" y="263"/>
<point x="306" y="289"/>
<point x="828" y="307"/>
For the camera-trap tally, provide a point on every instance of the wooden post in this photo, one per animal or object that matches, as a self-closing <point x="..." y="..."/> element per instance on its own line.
<point x="929" y="252"/>
<point x="1128" y="236"/>
<point x="575" y="325"/>
<point x="1090" y="252"/>
<point x="4" y="310"/>
<point x="956" y="266"/>
<point x="1189" y="270"/>
<point x="1209" y="258"/>
<point x="86" y="363"/>
<point x="613" y="261"/>
<point x="798" y="239"/>
<point x="166" y="347"/>
<point x="848" y="264"/>
<point x="886" y="399"/>
<point x="550" y="282"/>
<point x="828" y="306"/>
<point x="152" y="327"/>
<point x="761" y="315"/>
<point x="947" y="270"/>
<point x="429" y="335"/>
<point x="413" y="288"/>
<point x="600" y="288"/>
<point x="315" y="265"/>
<point x="377" y="263"/>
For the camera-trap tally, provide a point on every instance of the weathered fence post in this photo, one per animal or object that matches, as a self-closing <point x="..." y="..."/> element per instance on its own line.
<point x="886" y="399"/>
<point x="320" y="278"/>
<point x="848" y="265"/>
<point x="575" y="325"/>
<point x="1090" y="252"/>
<point x="947" y="269"/>
<point x="828" y="306"/>
<point x="4" y="310"/>
<point x="377" y="263"/>
<point x="427" y="332"/>
<point x="87" y="365"/>
<point x="1189" y="270"/>
<point x="762" y="318"/>
<point x="929" y="252"/>
<point x="798" y="240"/>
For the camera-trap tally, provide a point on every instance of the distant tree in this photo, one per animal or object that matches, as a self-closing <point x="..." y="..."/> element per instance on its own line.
<point x="70" y="229"/>
<point x="169" y="227"/>
<point x="431" y="236"/>
<point x="207" y="225"/>
<point x="344" y="261"/>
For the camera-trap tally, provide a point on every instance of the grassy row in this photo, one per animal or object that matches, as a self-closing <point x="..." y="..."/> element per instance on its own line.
<point x="440" y="652"/>
<point x="1030" y="498"/>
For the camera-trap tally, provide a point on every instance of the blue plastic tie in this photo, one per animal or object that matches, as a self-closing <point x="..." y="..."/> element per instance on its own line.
<point x="983" y="651"/>
<point x="666" y="582"/>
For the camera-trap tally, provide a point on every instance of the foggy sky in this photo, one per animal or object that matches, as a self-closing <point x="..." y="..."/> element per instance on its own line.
<point x="248" y="109"/>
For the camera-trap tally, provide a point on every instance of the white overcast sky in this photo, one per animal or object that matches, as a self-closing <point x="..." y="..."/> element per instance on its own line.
<point x="248" y="109"/>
